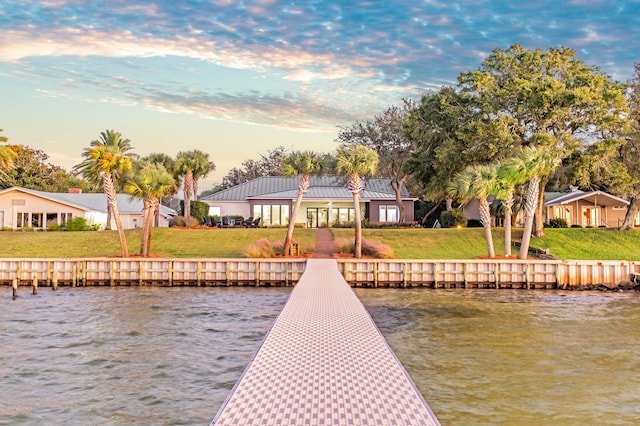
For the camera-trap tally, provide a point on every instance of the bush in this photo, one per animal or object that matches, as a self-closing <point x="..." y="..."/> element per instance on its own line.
<point x="453" y="218"/>
<point x="558" y="223"/>
<point x="54" y="227"/>
<point x="369" y="248"/>
<point x="182" y="221"/>
<point x="261" y="248"/>
<point x="76" y="224"/>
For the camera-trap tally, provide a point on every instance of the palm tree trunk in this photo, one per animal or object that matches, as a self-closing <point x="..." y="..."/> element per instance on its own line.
<point x="107" y="227"/>
<point x="485" y="219"/>
<point x="530" y="208"/>
<point x="110" y="192"/>
<point x="357" y="247"/>
<point x="303" y="186"/>
<point x="507" y="224"/>
<point x="538" y="229"/>
<point x="188" y="182"/>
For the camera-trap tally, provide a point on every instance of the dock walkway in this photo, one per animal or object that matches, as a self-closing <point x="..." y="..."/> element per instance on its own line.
<point x="324" y="362"/>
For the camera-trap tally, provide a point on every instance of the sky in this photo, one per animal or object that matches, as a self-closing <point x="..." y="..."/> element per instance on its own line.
<point x="236" y="79"/>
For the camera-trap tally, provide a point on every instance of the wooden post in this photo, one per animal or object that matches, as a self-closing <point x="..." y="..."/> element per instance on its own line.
<point x="35" y="284"/>
<point x="170" y="271"/>
<point x="257" y="269"/>
<point x="527" y="278"/>
<point x="375" y="274"/>
<point x="111" y="273"/>
<point x="286" y="274"/>
<point x="140" y="272"/>
<point x="464" y="274"/>
<point x="74" y="274"/>
<point x="14" y="285"/>
<point x="54" y="282"/>
<point x="404" y="275"/>
<point x="496" y="274"/>
<point x="435" y="275"/>
<point x="227" y="273"/>
<point x="198" y="272"/>
<point x="49" y="272"/>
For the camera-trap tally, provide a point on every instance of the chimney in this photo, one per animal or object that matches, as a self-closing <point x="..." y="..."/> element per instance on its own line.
<point x="75" y="191"/>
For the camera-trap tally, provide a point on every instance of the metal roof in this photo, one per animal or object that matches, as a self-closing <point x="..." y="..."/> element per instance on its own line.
<point x="320" y="187"/>
<point x="600" y="198"/>
<point x="96" y="202"/>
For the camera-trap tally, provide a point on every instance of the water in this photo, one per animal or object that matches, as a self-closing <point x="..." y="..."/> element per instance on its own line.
<point x="106" y="356"/>
<point x="515" y="357"/>
<point x="170" y="356"/>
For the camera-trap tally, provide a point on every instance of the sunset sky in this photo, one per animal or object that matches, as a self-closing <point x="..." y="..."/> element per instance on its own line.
<point x="238" y="78"/>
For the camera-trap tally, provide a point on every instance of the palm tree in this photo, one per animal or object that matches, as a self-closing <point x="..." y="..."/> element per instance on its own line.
<point x="89" y="170"/>
<point x="300" y="164"/>
<point x="150" y="183"/>
<point x="530" y="164"/>
<point x="192" y="165"/>
<point x="106" y="160"/>
<point x="6" y="157"/>
<point x="478" y="181"/>
<point x="355" y="162"/>
<point x="169" y="164"/>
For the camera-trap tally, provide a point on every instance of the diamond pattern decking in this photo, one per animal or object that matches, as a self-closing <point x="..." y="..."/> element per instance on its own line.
<point x="324" y="362"/>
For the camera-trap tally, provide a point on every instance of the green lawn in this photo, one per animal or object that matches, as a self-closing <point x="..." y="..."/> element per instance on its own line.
<point x="416" y="243"/>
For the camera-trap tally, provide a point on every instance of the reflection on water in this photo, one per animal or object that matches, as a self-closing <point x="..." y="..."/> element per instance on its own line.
<point x="517" y="358"/>
<point x="170" y="356"/>
<point x="127" y="355"/>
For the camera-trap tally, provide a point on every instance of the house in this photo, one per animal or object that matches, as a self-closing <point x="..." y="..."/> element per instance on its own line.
<point x="22" y="208"/>
<point x="327" y="202"/>
<point x="586" y="208"/>
<point x="582" y="208"/>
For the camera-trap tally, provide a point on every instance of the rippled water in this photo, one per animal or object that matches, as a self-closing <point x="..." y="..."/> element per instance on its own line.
<point x="100" y="356"/>
<point x="169" y="356"/>
<point x="517" y="358"/>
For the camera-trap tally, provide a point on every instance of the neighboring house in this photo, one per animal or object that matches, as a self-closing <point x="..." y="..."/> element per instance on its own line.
<point x="22" y="208"/>
<point x="327" y="202"/>
<point x="586" y="208"/>
<point x="582" y="208"/>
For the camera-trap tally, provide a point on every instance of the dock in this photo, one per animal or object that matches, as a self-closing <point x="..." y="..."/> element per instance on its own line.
<point x="324" y="362"/>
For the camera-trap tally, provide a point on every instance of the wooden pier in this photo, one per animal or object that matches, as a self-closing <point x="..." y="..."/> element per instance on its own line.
<point x="324" y="362"/>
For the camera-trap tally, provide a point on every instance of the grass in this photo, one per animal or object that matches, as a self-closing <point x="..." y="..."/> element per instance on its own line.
<point x="414" y="243"/>
<point x="165" y="242"/>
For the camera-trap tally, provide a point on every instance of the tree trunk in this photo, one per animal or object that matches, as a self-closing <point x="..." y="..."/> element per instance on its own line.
<point x="508" y="204"/>
<point x="538" y="229"/>
<point x="303" y="185"/>
<point x="397" y="185"/>
<point x="107" y="227"/>
<point x="110" y="192"/>
<point x="485" y="219"/>
<point x="530" y="208"/>
<point x="357" y="247"/>
<point x="188" y="182"/>
<point x="147" y="223"/>
<point x="632" y="212"/>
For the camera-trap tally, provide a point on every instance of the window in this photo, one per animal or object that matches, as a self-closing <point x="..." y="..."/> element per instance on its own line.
<point x="388" y="214"/>
<point x="36" y="220"/>
<point x="214" y="211"/>
<point x="65" y="217"/>
<point x="277" y="214"/>
<point x="346" y="215"/>
<point x="22" y="220"/>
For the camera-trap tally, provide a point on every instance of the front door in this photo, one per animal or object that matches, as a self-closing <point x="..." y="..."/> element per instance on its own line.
<point x="317" y="217"/>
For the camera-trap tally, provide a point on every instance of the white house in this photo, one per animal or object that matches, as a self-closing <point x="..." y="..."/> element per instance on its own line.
<point x="328" y="201"/>
<point x="22" y="208"/>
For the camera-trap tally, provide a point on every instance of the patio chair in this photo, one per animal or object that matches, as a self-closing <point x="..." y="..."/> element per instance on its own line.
<point x="255" y="223"/>
<point x="247" y="222"/>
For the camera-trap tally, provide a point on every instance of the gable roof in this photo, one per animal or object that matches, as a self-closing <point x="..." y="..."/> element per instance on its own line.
<point x="91" y="202"/>
<point x="320" y="187"/>
<point x="600" y="198"/>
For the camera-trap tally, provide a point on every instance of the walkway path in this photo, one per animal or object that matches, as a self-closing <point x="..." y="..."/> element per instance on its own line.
<point x="324" y="362"/>
<point x="324" y="244"/>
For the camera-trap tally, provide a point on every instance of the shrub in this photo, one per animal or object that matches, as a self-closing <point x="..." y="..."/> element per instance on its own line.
<point x="54" y="227"/>
<point x="369" y="248"/>
<point x="558" y="223"/>
<point x="452" y="218"/>
<point x="182" y="221"/>
<point x="261" y="248"/>
<point x="76" y="224"/>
